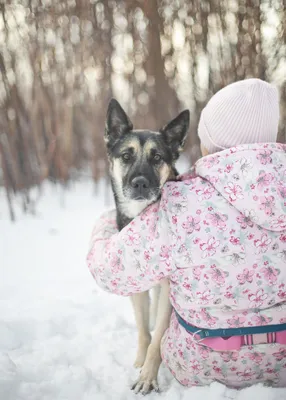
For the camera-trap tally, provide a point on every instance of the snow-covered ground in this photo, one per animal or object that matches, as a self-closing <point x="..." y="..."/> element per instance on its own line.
<point x="61" y="337"/>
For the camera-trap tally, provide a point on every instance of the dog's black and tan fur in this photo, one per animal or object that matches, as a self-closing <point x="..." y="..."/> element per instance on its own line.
<point x="141" y="162"/>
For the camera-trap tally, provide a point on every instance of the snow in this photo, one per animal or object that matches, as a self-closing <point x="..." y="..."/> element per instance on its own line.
<point x="61" y="337"/>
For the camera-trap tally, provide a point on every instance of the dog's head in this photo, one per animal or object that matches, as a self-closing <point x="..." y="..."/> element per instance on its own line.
<point x="141" y="161"/>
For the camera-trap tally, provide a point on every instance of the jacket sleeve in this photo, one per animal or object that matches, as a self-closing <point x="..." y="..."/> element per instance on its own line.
<point x="134" y="259"/>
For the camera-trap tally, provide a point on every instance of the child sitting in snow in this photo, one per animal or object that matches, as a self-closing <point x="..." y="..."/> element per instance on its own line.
<point x="220" y="239"/>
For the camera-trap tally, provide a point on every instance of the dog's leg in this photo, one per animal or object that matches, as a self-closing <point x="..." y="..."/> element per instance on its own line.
<point x="140" y="303"/>
<point x="148" y="376"/>
<point x="154" y="306"/>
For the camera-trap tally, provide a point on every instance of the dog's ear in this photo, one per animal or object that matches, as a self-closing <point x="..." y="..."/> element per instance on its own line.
<point x="175" y="132"/>
<point x="117" y="122"/>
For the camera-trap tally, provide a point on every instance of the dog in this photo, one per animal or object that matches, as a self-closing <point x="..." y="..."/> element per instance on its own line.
<point x="140" y="163"/>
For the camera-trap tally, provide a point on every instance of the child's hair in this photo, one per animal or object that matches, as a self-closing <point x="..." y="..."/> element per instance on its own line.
<point x="241" y="113"/>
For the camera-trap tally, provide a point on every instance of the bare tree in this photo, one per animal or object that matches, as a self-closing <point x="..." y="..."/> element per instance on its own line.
<point x="61" y="63"/>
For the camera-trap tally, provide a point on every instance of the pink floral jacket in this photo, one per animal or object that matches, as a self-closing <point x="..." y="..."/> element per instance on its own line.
<point x="218" y="234"/>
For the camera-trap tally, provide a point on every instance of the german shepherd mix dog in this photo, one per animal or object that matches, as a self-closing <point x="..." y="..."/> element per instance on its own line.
<point x="141" y="162"/>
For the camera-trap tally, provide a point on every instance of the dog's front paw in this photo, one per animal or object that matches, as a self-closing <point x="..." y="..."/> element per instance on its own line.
<point x="148" y="376"/>
<point x="145" y="386"/>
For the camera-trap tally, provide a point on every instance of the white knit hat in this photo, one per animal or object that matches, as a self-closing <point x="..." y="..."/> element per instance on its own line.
<point x="243" y="112"/>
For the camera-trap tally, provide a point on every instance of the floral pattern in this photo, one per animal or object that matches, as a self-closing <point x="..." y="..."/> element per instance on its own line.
<point x="219" y="235"/>
<point x="199" y="365"/>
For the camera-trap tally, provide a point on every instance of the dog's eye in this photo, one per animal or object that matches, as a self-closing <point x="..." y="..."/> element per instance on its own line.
<point x="157" y="157"/>
<point x="126" y="157"/>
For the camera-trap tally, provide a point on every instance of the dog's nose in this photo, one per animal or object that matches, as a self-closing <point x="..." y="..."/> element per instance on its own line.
<point x="140" y="183"/>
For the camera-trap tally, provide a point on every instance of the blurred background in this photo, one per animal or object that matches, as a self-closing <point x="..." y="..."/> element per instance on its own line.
<point x="62" y="61"/>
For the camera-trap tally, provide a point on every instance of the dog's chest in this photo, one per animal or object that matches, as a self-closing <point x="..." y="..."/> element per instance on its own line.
<point x="132" y="208"/>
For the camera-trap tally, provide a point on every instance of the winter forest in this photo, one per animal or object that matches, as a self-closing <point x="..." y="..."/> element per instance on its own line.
<point x="62" y="61"/>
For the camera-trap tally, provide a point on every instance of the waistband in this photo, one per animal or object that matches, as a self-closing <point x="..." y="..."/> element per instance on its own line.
<point x="249" y="330"/>
<point x="226" y="340"/>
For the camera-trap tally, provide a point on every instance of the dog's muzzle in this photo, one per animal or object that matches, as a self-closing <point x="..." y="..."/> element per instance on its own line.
<point x="141" y="188"/>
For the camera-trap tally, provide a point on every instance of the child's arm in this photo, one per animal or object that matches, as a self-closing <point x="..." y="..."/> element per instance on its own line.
<point x="134" y="259"/>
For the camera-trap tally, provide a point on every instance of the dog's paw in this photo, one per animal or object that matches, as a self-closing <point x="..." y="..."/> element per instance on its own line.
<point x="148" y="376"/>
<point x="145" y="386"/>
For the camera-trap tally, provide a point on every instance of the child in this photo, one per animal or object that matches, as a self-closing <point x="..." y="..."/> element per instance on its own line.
<point x="219" y="236"/>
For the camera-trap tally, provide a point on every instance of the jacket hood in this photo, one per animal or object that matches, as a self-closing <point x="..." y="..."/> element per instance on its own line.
<point x="252" y="178"/>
